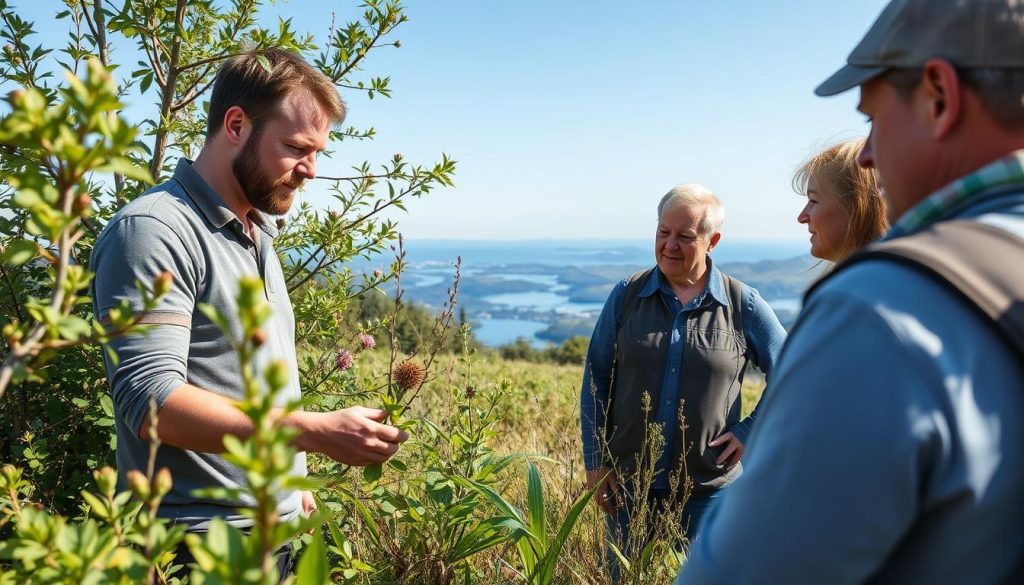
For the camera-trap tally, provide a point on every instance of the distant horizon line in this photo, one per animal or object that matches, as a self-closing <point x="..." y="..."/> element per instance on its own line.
<point x="634" y="239"/>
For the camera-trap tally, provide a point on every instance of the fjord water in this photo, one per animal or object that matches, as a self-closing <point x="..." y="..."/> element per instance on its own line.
<point x="516" y="289"/>
<point x="586" y="252"/>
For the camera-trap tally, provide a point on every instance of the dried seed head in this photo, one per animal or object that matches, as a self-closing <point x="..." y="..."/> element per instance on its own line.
<point x="366" y="341"/>
<point x="470" y="391"/>
<point x="409" y="374"/>
<point x="281" y="223"/>
<point x="258" y="337"/>
<point x="344" y="359"/>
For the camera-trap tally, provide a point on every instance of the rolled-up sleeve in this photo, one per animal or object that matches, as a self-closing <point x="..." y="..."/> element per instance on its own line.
<point x="151" y="363"/>
<point x="765" y="338"/>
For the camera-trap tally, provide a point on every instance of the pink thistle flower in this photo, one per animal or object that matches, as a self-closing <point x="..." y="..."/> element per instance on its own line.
<point x="344" y="359"/>
<point x="366" y="341"/>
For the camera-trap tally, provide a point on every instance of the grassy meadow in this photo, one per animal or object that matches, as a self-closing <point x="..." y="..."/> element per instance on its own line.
<point x="535" y="409"/>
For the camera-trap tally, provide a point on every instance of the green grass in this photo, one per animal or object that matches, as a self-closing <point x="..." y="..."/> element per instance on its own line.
<point x="539" y="416"/>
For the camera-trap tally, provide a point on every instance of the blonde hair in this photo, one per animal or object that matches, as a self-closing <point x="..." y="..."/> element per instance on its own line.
<point x="696" y="196"/>
<point x="854" y="186"/>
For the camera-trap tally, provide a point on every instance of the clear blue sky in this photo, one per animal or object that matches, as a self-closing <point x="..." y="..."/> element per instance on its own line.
<point x="570" y="119"/>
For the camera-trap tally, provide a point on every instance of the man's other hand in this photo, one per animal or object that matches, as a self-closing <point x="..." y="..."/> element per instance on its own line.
<point x="607" y="494"/>
<point x="731" y="453"/>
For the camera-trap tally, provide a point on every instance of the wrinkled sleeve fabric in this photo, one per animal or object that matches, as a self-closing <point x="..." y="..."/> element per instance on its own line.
<point x="765" y="338"/>
<point x="825" y="494"/>
<point x="152" y="363"/>
<point x="597" y="371"/>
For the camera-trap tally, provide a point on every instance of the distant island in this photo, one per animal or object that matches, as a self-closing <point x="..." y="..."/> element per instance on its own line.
<point x="567" y="299"/>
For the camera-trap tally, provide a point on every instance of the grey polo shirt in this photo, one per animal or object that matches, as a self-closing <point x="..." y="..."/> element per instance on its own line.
<point x="183" y="226"/>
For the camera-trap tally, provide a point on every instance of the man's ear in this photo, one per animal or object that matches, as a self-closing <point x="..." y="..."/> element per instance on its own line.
<point x="713" y="241"/>
<point x="236" y="126"/>
<point x="942" y="96"/>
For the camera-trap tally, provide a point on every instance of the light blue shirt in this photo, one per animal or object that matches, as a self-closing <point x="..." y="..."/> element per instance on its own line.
<point x="891" y="449"/>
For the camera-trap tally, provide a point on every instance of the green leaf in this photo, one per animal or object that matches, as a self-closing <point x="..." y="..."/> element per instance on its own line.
<point x="19" y="252"/>
<point x="373" y="473"/>
<point x="265" y="63"/>
<point x="215" y="315"/>
<point x="535" y="496"/>
<point x="546" y="567"/>
<point x="107" y="404"/>
<point x="73" y="327"/>
<point x="368" y="518"/>
<point x="125" y="167"/>
<point x="112" y="355"/>
<point x="507" y="509"/>
<point x="98" y="507"/>
<point x="313" y="566"/>
<point x="486" y="535"/>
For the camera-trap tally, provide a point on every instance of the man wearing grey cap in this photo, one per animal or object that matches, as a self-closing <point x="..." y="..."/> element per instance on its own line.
<point x="892" y="447"/>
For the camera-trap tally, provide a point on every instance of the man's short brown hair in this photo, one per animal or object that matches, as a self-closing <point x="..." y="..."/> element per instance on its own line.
<point x="245" y="81"/>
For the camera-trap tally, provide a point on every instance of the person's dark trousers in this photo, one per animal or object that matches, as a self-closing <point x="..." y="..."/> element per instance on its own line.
<point x="617" y="525"/>
<point x="285" y="557"/>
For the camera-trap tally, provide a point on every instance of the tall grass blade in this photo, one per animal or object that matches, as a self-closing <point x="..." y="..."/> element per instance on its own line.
<point x="545" y="572"/>
<point x="487" y="534"/>
<point x="535" y="500"/>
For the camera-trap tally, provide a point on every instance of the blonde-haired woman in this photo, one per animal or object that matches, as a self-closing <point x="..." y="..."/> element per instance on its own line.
<point x="845" y="209"/>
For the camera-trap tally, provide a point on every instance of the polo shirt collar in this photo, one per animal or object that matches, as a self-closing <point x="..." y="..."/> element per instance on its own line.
<point x="211" y="205"/>
<point x="714" y="287"/>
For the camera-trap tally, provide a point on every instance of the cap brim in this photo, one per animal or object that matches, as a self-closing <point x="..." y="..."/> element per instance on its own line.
<point x="846" y="78"/>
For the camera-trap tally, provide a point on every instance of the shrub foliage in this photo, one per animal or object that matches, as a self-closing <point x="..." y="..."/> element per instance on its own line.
<point x="457" y="505"/>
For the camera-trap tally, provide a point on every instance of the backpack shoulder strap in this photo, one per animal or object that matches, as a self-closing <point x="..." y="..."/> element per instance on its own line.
<point x="980" y="262"/>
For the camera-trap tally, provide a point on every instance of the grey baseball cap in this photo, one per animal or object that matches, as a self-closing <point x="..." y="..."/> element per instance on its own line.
<point x="967" y="33"/>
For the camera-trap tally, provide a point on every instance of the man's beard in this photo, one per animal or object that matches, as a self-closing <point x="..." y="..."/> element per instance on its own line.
<point x="256" y="185"/>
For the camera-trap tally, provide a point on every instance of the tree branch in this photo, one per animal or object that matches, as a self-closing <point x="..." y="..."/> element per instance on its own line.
<point x="210" y="60"/>
<point x="14" y="296"/>
<point x="192" y="93"/>
<point x="167" y="99"/>
<point x="354" y="179"/>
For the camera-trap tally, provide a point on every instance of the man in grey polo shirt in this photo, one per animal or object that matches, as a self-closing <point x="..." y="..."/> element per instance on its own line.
<point x="208" y="226"/>
<point x="891" y="449"/>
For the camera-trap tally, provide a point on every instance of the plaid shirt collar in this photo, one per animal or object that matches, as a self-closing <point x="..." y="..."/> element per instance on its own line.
<point x="996" y="178"/>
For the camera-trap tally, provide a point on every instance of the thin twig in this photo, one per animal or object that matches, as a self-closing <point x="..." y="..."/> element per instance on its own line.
<point x="354" y="179"/>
